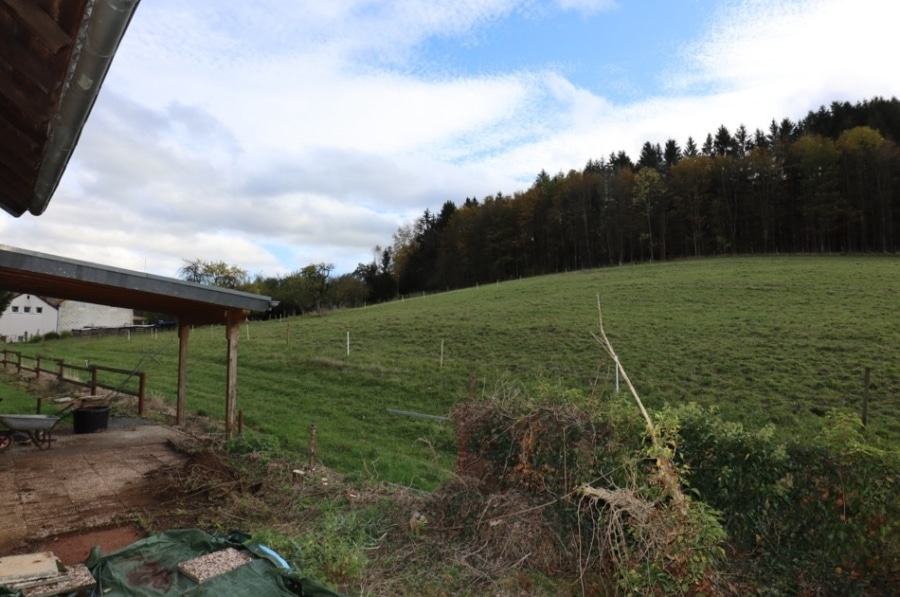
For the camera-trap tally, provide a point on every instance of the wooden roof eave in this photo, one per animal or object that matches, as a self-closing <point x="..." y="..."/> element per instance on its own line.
<point x="59" y="277"/>
<point x="97" y="44"/>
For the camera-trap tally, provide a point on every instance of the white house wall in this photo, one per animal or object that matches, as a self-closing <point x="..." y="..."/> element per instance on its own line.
<point x="75" y="315"/>
<point x="26" y="316"/>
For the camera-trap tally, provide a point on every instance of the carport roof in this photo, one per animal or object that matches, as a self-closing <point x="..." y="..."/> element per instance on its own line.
<point x="59" y="277"/>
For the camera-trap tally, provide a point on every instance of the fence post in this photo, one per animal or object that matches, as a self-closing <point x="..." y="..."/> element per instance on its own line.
<point x="19" y="363"/>
<point x="93" y="369"/>
<point x="62" y="366"/>
<point x="37" y="369"/>
<point x="142" y="388"/>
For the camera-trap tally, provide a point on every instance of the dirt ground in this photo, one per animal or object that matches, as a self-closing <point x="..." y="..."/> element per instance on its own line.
<point x="74" y="548"/>
<point x="86" y="490"/>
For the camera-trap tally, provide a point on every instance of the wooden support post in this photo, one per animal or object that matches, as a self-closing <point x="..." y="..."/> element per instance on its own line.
<point x="232" y="331"/>
<point x="37" y="369"/>
<point x="93" y="369"/>
<point x="184" y="334"/>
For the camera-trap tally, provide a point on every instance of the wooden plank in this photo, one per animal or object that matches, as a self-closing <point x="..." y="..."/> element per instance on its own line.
<point x="35" y="106"/>
<point x="28" y="64"/>
<point x="40" y="24"/>
<point x="19" y="160"/>
<point x="15" y="184"/>
<point x="77" y="578"/>
<point x="214" y="564"/>
<point x="33" y="140"/>
<point x="29" y="566"/>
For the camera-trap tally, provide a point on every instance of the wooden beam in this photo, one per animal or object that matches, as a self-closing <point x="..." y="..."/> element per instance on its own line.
<point x="42" y="25"/>
<point x="69" y="14"/>
<point x="184" y="334"/>
<point x="234" y="318"/>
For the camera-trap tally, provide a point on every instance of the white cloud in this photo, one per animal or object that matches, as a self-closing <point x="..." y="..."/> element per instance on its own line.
<point x="759" y="60"/>
<point x="796" y="51"/>
<point x="272" y="135"/>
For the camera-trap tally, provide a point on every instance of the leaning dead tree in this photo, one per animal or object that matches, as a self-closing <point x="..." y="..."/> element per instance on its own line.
<point x="667" y="475"/>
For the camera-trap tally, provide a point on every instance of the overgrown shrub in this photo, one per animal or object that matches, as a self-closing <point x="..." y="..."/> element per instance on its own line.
<point x="827" y="502"/>
<point x="574" y="487"/>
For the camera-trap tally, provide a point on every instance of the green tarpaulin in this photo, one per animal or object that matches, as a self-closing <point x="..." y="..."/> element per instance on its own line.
<point x="149" y="568"/>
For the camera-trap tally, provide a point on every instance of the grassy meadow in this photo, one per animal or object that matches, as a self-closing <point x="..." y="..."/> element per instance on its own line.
<point x="766" y="340"/>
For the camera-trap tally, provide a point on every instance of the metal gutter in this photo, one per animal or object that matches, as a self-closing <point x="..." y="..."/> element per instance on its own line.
<point x="105" y="22"/>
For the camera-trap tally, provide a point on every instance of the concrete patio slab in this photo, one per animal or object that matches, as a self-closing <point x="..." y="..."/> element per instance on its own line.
<point x="82" y="482"/>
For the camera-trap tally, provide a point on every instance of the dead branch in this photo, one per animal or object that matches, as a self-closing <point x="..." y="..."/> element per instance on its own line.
<point x="668" y="475"/>
<point x="607" y="346"/>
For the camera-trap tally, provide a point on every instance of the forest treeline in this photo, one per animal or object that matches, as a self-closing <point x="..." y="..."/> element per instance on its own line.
<point x="825" y="184"/>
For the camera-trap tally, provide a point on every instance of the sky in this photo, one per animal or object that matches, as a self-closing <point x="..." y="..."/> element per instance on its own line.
<point x="272" y="135"/>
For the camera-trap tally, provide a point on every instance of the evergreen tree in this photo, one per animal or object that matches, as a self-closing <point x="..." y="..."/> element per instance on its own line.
<point x="707" y="149"/>
<point x="651" y="156"/>
<point x="690" y="148"/>
<point x="672" y="153"/>
<point x="723" y="143"/>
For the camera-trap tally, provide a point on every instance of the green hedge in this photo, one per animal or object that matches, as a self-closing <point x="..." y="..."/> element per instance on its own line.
<point x="819" y="514"/>
<point x="821" y="507"/>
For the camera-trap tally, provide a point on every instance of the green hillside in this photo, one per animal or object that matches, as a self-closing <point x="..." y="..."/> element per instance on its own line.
<point x="767" y="340"/>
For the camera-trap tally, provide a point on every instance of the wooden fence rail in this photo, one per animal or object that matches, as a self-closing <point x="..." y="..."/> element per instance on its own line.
<point x="60" y="368"/>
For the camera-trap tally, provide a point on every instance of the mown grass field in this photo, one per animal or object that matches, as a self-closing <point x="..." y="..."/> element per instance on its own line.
<point x="764" y="339"/>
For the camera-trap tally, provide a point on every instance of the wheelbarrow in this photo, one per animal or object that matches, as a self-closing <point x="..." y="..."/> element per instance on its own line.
<point x="37" y="428"/>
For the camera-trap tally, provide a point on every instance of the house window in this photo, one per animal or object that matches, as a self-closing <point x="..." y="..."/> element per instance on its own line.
<point x="15" y="309"/>
<point x="28" y="309"/>
<point x="39" y="309"/>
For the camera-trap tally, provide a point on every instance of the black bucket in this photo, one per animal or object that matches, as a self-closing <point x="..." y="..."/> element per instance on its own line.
<point x="90" y="419"/>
